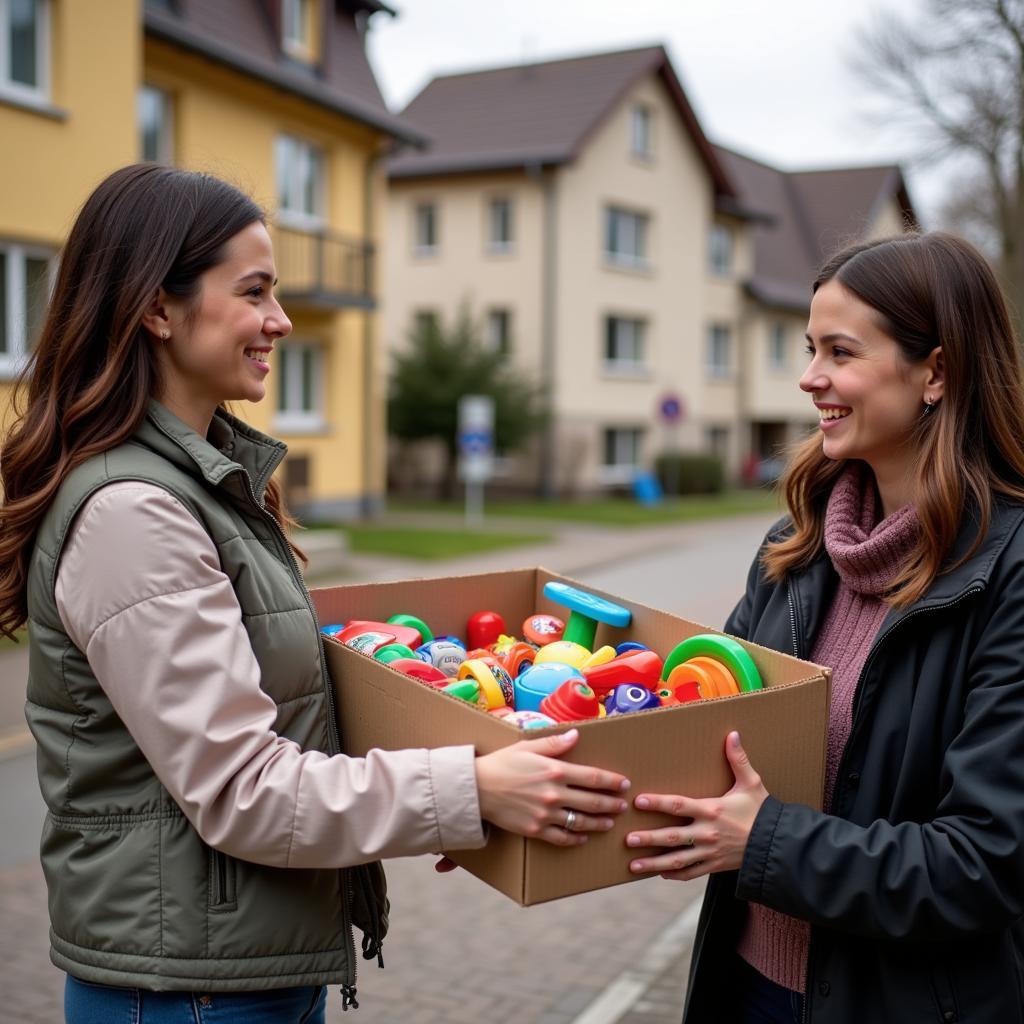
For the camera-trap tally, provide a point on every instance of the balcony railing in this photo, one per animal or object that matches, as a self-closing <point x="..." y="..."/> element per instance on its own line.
<point x="319" y="267"/>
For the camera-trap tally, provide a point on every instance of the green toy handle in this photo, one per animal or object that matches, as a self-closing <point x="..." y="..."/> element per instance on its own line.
<point x="726" y="650"/>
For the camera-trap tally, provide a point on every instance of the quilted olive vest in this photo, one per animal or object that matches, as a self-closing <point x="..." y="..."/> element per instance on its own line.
<point x="136" y="898"/>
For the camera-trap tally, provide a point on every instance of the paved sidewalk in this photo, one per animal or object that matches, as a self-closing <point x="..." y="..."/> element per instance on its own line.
<point x="459" y="951"/>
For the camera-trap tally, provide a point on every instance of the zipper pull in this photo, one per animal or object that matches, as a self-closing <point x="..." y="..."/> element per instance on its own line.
<point x="373" y="947"/>
<point x="348" y="997"/>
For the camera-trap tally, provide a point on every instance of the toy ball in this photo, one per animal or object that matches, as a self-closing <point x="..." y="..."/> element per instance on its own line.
<point x="627" y="698"/>
<point x="529" y="720"/>
<point x="443" y="654"/>
<point x="533" y="685"/>
<point x="457" y="640"/>
<point x="483" y="629"/>
<point x="563" y="651"/>
<point x="543" y="629"/>
<point x="571" y="702"/>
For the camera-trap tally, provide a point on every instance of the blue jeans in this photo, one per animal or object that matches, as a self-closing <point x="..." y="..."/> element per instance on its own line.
<point x="761" y="1001"/>
<point x="87" y="1003"/>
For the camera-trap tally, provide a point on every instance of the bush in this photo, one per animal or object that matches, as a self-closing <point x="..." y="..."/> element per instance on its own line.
<point x="690" y="473"/>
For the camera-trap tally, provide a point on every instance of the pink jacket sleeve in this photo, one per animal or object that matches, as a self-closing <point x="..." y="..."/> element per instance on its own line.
<point x="141" y="592"/>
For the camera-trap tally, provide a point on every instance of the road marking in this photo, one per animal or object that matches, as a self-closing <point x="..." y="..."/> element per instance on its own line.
<point x="14" y="742"/>
<point x="622" y="994"/>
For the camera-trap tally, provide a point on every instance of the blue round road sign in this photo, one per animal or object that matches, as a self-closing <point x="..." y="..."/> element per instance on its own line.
<point x="671" y="408"/>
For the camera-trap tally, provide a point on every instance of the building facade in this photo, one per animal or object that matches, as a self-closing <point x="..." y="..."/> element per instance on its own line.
<point x="277" y="97"/>
<point x="609" y="249"/>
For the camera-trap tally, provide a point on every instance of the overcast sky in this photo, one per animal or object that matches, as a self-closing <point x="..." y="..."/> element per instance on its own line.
<point x="769" y="78"/>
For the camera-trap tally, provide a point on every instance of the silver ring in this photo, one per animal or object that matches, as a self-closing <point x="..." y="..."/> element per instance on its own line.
<point x="570" y="820"/>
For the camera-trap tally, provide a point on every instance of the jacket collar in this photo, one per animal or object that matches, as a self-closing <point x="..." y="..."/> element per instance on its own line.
<point x="229" y="447"/>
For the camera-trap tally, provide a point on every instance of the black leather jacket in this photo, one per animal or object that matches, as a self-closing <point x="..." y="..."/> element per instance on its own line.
<point x="914" y="884"/>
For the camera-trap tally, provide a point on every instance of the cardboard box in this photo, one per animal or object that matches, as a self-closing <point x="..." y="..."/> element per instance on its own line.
<point x="669" y="750"/>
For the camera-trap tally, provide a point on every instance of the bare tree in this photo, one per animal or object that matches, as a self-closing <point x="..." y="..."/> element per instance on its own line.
<point x="952" y="79"/>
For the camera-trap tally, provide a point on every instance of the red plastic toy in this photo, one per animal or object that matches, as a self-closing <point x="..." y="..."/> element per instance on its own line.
<point x="421" y="670"/>
<point x="571" y="702"/>
<point x="483" y="629"/>
<point x="642" y="668"/>
<point x="367" y="636"/>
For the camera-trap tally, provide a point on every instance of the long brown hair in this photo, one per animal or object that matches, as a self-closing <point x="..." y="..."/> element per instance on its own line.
<point x="928" y="290"/>
<point x="86" y="387"/>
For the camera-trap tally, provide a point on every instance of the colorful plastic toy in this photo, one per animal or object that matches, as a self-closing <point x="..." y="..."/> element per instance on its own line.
<point x="711" y="676"/>
<point x="502" y="644"/>
<point x="563" y="651"/>
<point x="571" y="702"/>
<point x="684" y="693"/>
<point x="600" y="656"/>
<point x="723" y="649"/>
<point x="585" y="612"/>
<point x="465" y="689"/>
<point x="444" y="655"/>
<point x="529" y="720"/>
<point x="333" y="629"/>
<point x="543" y="629"/>
<point x="624" y="699"/>
<point x="419" y="669"/>
<point x="392" y="652"/>
<point x="518" y="657"/>
<point x="641" y="667"/>
<point x="533" y="685"/>
<point x="483" y="629"/>
<point x="629" y="645"/>
<point x="494" y="682"/>
<point x="410" y="620"/>
<point x="367" y="636"/>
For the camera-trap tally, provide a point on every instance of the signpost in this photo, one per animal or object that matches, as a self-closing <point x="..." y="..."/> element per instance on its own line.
<point x="672" y="411"/>
<point x="476" y="452"/>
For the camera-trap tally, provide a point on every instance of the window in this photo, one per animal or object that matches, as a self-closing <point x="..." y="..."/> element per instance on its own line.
<point x="625" y="239"/>
<point x="154" y="116"/>
<point x="426" y="229"/>
<point x="300" y="181"/>
<point x="24" y="293"/>
<point x="778" y="356"/>
<point x="300" y="373"/>
<point x="720" y="250"/>
<point x="624" y="343"/>
<point x="640" y="131"/>
<point x="498" y="334"/>
<point x="25" y="48"/>
<point x="425" y="321"/>
<point x="621" y="454"/>
<point x="499" y="225"/>
<point x="295" y="27"/>
<point x="719" y="351"/>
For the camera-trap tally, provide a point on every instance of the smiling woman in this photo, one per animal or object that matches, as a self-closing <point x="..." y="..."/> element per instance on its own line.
<point x="901" y="567"/>
<point x="205" y="834"/>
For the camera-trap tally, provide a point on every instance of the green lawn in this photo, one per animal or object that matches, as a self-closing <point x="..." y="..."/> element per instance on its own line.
<point x="615" y="511"/>
<point x="430" y="544"/>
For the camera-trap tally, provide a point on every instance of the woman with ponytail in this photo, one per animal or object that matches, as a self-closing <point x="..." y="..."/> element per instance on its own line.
<point x="901" y="567"/>
<point x="207" y="847"/>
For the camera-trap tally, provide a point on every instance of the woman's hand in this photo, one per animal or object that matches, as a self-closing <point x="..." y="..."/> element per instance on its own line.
<point x="715" y="831"/>
<point x="524" y="789"/>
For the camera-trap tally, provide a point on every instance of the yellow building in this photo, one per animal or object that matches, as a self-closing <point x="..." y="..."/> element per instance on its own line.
<point x="274" y="95"/>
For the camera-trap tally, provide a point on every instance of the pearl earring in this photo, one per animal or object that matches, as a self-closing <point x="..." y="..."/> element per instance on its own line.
<point x="164" y="335"/>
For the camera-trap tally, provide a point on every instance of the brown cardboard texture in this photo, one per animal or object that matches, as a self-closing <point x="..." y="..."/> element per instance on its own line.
<point x="666" y="750"/>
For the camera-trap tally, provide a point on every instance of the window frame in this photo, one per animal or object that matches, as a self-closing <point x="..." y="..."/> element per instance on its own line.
<point x="716" y="251"/>
<point x="500" y="246"/>
<point x="716" y="370"/>
<point x="302" y="219"/>
<point x="638" y="259"/>
<point x="39" y="94"/>
<point x="616" y="472"/>
<point x="15" y="286"/>
<point x="295" y="419"/>
<point x="501" y="345"/>
<point x="616" y="365"/>
<point x="166" y="142"/>
<point x="419" y="248"/>
<point x="297" y="46"/>
<point x="641" y="113"/>
<point x="778" y="341"/>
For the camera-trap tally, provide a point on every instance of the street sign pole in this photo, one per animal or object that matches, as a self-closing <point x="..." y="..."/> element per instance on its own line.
<point x="476" y="450"/>
<point x="671" y="409"/>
